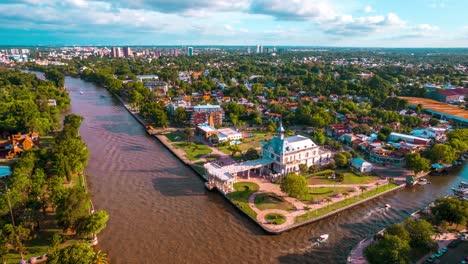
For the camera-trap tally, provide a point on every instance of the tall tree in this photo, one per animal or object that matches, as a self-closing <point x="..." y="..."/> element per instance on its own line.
<point x="294" y="185"/>
<point x="92" y="224"/>
<point x="76" y="253"/>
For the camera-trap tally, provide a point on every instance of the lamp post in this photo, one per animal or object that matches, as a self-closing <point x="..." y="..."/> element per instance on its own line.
<point x="7" y="191"/>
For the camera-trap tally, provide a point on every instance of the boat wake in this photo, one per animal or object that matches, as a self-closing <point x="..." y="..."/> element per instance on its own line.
<point x="379" y="210"/>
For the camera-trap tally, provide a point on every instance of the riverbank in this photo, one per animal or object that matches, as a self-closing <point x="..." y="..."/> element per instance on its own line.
<point x="159" y="134"/>
<point x="443" y="237"/>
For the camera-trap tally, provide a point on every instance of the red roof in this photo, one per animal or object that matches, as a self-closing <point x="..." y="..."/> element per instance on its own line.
<point x="450" y="92"/>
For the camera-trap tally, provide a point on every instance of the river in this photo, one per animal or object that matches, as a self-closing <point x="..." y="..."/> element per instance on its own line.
<point x="160" y="211"/>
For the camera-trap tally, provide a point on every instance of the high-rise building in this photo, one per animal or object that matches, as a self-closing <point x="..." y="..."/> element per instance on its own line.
<point x="158" y="53"/>
<point x="248" y="50"/>
<point x="24" y="51"/>
<point x="118" y="53"/>
<point x="261" y="49"/>
<point x="113" y="52"/>
<point x="258" y="49"/>
<point x="127" y="52"/>
<point x="190" y="51"/>
<point x="14" y="51"/>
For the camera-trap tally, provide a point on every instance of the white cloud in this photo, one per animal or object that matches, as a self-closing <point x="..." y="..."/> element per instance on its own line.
<point x="427" y="28"/>
<point x="368" y="9"/>
<point x="437" y="4"/>
<point x="295" y="9"/>
<point x="240" y="20"/>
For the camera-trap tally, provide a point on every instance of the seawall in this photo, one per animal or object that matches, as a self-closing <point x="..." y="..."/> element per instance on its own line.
<point x="163" y="140"/>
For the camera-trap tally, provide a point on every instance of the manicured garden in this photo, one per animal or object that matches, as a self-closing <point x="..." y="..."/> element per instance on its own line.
<point x="199" y="167"/>
<point x="338" y="205"/>
<point x="193" y="150"/>
<point x="319" y="193"/>
<point x="241" y="196"/>
<point x="266" y="201"/>
<point x="322" y="177"/>
<point x="176" y="136"/>
<point x="275" y="219"/>
<point x="46" y="141"/>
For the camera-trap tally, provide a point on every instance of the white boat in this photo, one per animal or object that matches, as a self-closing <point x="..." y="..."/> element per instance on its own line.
<point x="81" y="92"/>
<point x="387" y="206"/>
<point x="322" y="238"/>
<point x="423" y="181"/>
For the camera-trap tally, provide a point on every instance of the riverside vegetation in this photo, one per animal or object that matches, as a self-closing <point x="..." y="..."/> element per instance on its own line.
<point x="44" y="206"/>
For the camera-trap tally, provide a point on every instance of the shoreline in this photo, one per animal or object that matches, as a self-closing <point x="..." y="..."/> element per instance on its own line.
<point x="190" y="164"/>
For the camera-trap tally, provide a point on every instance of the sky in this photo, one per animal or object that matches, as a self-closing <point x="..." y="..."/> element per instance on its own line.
<point x="342" y="23"/>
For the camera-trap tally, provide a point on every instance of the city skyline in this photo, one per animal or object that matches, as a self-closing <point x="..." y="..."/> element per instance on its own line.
<point x="370" y="23"/>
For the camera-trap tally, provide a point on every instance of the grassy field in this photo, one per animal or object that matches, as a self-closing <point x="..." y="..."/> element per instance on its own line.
<point x="319" y="193"/>
<point x="335" y="206"/>
<point x="176" y="136"/>
<point x="275" y="219"/>
<point x="265" y="201"/>
<point x="253" y="142"/>
<point x="193" y="150"/>
<point x="348" y="178"/>
<point x="35" y="247"/>
<point x="241" y="197"/>
<point x="199" y="167"/>
<point x="46" y="141"/>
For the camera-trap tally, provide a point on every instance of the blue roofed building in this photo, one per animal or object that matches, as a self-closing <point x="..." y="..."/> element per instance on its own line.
<point x="361" y="165"/>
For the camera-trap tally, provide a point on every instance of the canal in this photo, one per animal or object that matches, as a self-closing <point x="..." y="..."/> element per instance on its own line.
<point x="160" y="211"/>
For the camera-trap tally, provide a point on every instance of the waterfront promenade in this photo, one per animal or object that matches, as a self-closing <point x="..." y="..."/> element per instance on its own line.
<point x="291" y="217"/>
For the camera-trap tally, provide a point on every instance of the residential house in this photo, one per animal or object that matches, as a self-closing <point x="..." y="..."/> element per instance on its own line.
<point x="16" y="144"/>
<point x="361" y="165"/>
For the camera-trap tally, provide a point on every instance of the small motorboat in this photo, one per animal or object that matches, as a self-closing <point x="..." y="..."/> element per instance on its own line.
<point x="322" y="238"/>
<point x="387" y="206"/>
<point x="81" y="92"/>
<point x="423" y="181"/>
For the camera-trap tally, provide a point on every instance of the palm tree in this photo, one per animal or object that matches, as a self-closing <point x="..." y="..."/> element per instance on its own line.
<point x="188" y="134"/>
<point x="100" y="258"/>
<point x="328" y="200"/>
<point x="362" y="189"/>
<point x="346" y="194"/>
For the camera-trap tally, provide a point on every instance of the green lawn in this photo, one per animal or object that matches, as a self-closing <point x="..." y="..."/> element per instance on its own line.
<point x="35" y="247"/>
<point x="341" y="204"/>
<point x="224" y="149"/>
<point x="241" y="197"/>
<point x="275" y="219"/>
<point x="199" y="167"/>
<point x="46" y="141"/>
<point x="193" y="150"/>
<point x="176" y="136"/>
<point x="319" y="193"/>
<point x="321" y="177"/>
<point x="265" y="201"/>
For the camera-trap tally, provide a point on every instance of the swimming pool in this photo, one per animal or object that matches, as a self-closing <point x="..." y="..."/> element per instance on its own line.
<point x="4" y="171"/>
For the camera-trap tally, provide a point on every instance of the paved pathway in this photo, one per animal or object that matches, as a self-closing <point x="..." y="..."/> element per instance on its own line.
<point x="268" y="187"/>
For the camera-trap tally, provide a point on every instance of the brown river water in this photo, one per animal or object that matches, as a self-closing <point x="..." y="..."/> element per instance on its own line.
<point x="160" y="211"/>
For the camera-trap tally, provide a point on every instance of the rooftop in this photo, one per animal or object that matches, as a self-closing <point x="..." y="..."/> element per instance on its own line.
<point x="228" y="131"/>
<point x="206" y="128"/>
<point x="225" y="173"/>
<point x="438" y="107"/>
<point x="207" y="106"/>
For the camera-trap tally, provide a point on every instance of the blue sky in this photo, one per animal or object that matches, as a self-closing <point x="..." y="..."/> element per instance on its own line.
<point x="363" y="23"/>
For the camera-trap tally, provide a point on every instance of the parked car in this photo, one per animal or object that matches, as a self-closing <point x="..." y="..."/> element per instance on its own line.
<point x="454" y="243"/>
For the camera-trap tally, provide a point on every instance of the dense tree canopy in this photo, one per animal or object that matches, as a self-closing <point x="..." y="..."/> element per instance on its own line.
<point x="24" y="103"/>
<point x="294" y="185"/>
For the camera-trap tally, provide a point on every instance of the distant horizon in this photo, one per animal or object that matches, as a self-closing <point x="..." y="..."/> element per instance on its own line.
<point x="318" y="23"/>
<point x="215" y="45"/>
